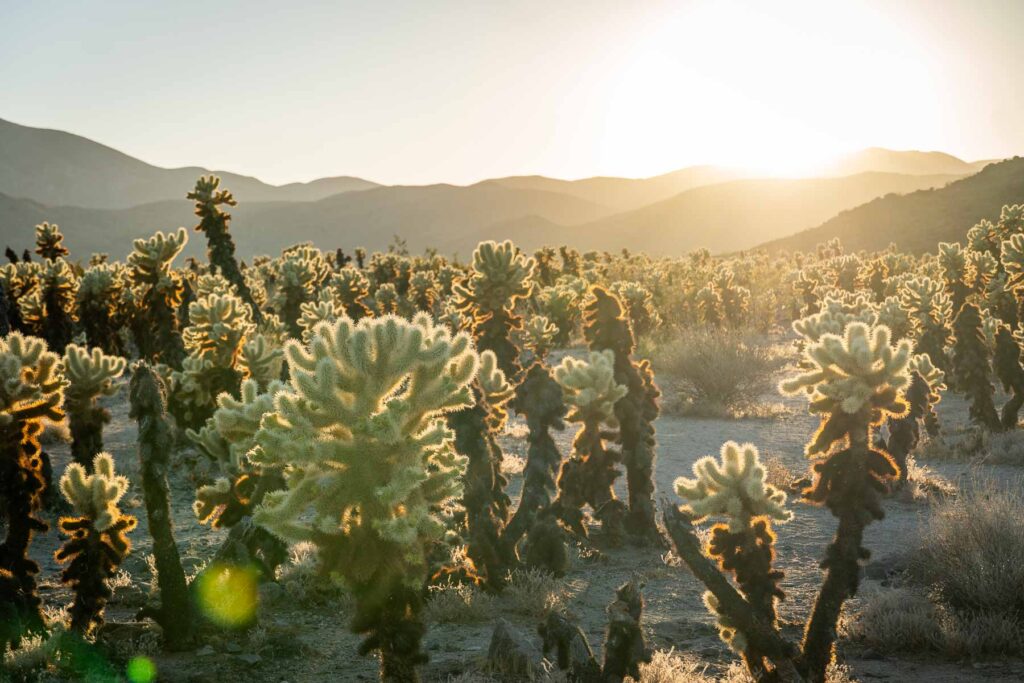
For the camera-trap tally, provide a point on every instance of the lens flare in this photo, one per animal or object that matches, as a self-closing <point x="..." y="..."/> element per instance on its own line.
<point x="228" y="594"/>
<point x="141" y="670"/>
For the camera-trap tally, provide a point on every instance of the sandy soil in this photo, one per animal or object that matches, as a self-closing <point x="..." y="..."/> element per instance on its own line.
<point x="303" y="641"/>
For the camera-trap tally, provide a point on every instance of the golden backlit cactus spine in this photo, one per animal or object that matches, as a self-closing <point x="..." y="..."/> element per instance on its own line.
<point x="227" y="438"/>
<point x="734" y="489"/>
<point x="161" y="292"/>
<point x="930" y="308"/>
<point x="587" y="477"/>
<point x="213" y="222"/>
<point x="49" y="309"/>
<point x="97" y="541"/>
<point x="50" y="242"/>
<point x="91" y="375"/>
<point x="368" y="459"/>
<point x="501" y="276"/>
<point x="972" y="369"/>
<point x="31" y="390"/>
<point x="300" y="271"/>
<point x="98" y="302"/>
<point x="957" y="274"/>
<point x="606" y="328"/>
<point x="486" y="504"/>
<point x="854" y="383"/>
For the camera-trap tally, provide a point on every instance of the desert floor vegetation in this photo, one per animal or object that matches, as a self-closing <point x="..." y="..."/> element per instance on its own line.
<point x="550" y="466"/>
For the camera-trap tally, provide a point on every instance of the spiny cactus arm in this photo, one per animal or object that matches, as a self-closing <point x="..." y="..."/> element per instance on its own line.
<point x="734" y="488"/>
<point x="740" y="612"/>
<point x="151" y="258"/>
<point x="1012" y="257"/>
<point x="590" y="386"/>
<point x="492" y="380"/>
<point x="218" y="326"/>
<point x="91" y="373"/>
<point x="261" y="361"/>
<point x="95" y="495"/>
<point x="32" y="380"/>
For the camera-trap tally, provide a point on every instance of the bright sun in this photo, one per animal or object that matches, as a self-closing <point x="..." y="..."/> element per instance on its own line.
<point x="729" y="85"/>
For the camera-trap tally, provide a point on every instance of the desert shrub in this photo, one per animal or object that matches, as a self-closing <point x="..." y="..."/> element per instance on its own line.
<point x="534" y="592"/>
<point x="972" y="549"/>
<point x="458" y="603"/>
<point x="717" y="371"/>
<point x="897" y="620"/>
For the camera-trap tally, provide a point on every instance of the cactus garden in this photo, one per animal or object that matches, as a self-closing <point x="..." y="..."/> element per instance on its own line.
<point x="412" y="467"/>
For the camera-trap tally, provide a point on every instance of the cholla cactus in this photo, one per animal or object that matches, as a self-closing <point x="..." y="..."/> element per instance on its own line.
<point x="971" y="364"/>
<point x="385" y="300"/>
<point x="302" y="269"/>
<point x="501" y="276"/>
<point x="49" y="309"/>
<point x="220" y="247"/>
<point x="890" y="312"/>
<point x="351" y="288"/>
<point x="587" y="478"/>
<point x="161" y="295"/>
<point x="98" y="299"/>
<point x="219" y="326"/>
<point x="423" y="291"/>
<point x="314" y="313"/>
<point x="834" y="316"/>
<point x="261" y="360"/>
<point x="735" y="299"/>
<point x="606" y="329"/>
<point x="227" y="438"/>
<point x="539" y="336"/>
<point x="956" y="274"/>
<point x="854" y="383"/>
<point x="929" y="307"/>
<point x="484" y="499"/>
<point x="735" y="490"/>
<point x="97" y="538"/>
<point x="643" y="316"/>
<point x="561" y="305"/>
<point x="360" y="429"/>
<point x="90" y="375"/>
<point x="709" y="304"/>
<point x="921" y="364"/>
<point x="540" y="399"/>
<point x="32" y="389"/>
<point x="50" y="242"/>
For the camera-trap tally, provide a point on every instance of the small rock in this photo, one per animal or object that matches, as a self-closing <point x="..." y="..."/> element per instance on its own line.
<point x="511" y="652"/>
<point x="232" y="647"/>
<point x="205" y="651"/>
<point x="250" y="659"/>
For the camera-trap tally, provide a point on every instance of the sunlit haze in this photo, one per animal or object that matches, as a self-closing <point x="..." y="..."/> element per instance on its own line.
<point x="414" y="92"/>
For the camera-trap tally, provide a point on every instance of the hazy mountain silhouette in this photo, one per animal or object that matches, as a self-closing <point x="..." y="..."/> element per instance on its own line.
<point x="103" y="198"/>
<point x="880" y="160"/>
<point x="916" y="222"/>
<point x="59" y="168"/>
<point x="624" y="194"/>
<point x="742" y="213"/>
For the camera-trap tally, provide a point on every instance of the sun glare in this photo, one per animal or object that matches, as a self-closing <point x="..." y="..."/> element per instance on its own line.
<point x="722" y="84"/>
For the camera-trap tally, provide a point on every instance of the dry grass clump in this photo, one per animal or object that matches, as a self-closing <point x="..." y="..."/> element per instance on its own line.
<point x="455" y="603"/>
<point x="534" y="592"/>
<point x="965" y="582"/>
<point x="717" y="372"/>
<point x="303" y="582"/>
<point x="1005" y="448"/>
<point x="924" y="484"/>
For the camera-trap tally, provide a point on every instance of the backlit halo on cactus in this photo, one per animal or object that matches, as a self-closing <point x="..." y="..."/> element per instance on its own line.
<point x="260" y="360"/>
<point x="50" y="241"/>
<point x="31" y="389"/>
<point x="90" y="375"/>
<point x="734" y="488"/>
<point x="161" y="292"/>
<point x="97" y="538"/>
<point x="859" y="374"/>
<point x="368" y="459"/>
<point x="98" y="301"/>
<point x="834" y="316"/>
<point x="218" y="326"/>
<point x="314" y="313"/>
<point x="590" y="387"/>
<point x="501" y="276"/>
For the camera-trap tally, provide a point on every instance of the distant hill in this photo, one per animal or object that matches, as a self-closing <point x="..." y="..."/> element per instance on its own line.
<point x="58" y="168"/>
<point x="917" y="222"/>
<point x="624" y="194"/>
<point x="447" y="217"/>
<point x="880" y="160"/>
<point x="739" y="214"/>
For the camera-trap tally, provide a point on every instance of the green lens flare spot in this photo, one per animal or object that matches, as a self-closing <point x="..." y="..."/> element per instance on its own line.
<point x="228" y="594"/>
<point x="141" y="670"/>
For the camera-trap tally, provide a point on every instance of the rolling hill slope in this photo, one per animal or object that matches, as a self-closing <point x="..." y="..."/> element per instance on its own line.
<point x="918" y="221"/>
<point x="58" y="168"/>
<point x="739" y="214"/>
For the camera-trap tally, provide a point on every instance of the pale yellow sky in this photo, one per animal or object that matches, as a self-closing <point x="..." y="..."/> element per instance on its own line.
<point x="418" y="92"/>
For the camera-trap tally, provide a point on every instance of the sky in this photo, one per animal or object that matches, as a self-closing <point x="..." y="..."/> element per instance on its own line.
<point x="425" y="91"/>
